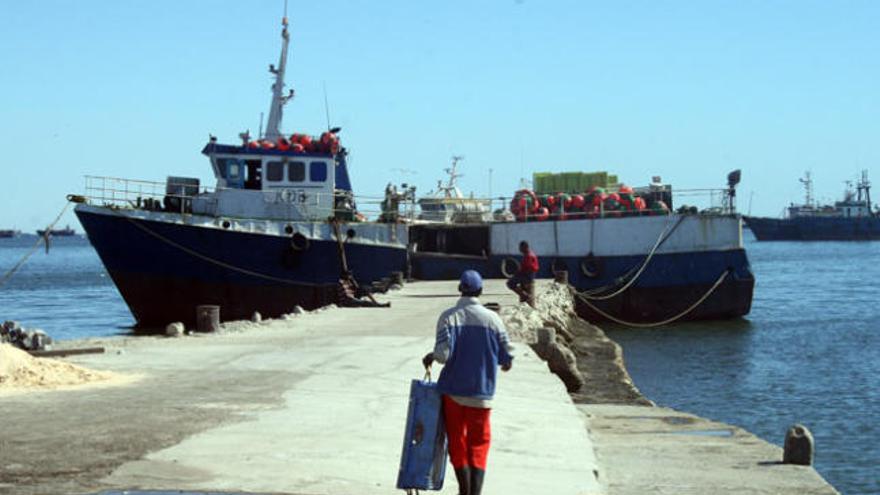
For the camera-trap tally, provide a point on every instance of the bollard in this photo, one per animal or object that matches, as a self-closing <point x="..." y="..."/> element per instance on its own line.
<point x="529" y="288"/>
<point x="799" y="446"/>
<point x="397" y="278"/>
<point x="207" y="318"/>
<point x="561" y="277"/>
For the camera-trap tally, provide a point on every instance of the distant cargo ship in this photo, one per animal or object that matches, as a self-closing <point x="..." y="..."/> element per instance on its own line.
<point x="853" y="219"/>
<point x="65" y="232"/>
<point x="8" y="233"/>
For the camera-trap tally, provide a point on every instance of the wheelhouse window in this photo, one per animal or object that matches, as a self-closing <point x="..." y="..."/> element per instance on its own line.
<point x="274" y="171"/>
<point x="233" y="170"/>
<point x="296" y="172"/>
<point x="318" y="171"/>
<point x="223" y="166"/>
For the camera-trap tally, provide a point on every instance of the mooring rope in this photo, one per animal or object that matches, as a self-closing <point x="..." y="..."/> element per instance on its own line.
<point x="212" y="260"/>
<point x="33" y="249"/>
<point x="667" y="321"/>
<point x="664" y="235"/>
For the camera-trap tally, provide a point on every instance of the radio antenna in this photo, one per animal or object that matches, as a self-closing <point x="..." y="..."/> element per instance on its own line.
<point x="326" y="105"/>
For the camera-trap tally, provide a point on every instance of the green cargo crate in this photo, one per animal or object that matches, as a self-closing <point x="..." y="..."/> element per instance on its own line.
<point x="571" y="182"/>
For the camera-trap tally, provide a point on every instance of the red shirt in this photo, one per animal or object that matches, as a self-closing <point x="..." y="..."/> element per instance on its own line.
<point x="529" y="263"/>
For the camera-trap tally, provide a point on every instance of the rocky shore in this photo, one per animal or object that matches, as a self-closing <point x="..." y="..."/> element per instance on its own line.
<point x="594" y="372"/>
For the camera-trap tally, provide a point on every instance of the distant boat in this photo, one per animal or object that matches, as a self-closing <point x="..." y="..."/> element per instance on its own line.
<point x="6" y="234"/>
<point x="65" y="232"/>
<point x="853" y="219"/>
<point x="449" y="205"/>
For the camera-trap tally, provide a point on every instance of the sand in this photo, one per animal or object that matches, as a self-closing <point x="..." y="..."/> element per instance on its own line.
<point x="21" y="372"/>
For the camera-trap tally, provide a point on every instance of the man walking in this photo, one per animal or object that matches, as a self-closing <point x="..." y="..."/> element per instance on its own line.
<point x="523" y="281"/>
<point x="471" y="343"/>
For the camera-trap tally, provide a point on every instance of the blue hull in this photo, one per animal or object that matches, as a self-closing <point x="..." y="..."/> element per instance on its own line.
<point x="164" y="270"/>
<point x="669" y="284"/>
<point x="815" y="228"/>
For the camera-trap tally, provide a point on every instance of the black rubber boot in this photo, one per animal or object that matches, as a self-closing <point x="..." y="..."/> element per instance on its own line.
<point x="463" y="475"/>
<point x="477" y="481"/>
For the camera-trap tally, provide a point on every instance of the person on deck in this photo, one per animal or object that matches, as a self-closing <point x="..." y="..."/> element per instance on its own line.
<point x="471" y="342"/>
<point x="524" y="279"/>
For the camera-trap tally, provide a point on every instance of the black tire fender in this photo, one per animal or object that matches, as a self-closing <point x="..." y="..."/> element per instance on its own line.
<point x="507" y="264"/>
<point x="299" y="242"/>
<point x="590" y="266"/>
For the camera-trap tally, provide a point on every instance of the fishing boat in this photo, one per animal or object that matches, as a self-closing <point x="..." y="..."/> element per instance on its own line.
<point x="447" y="203"/>
<point x="278" y="230"/>
<point x="65" y="232"/>
<point x="854" y="218"/>
<point x="630" y="258"/>
<point x="851" y="219"/>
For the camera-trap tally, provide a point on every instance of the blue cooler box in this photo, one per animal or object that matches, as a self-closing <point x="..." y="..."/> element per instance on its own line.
<point x="423" y="459"/>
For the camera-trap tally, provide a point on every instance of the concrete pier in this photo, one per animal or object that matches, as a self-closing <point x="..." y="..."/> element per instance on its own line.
<point x="313" y="405"/>
<point x="660" y="450"/>
<point x="316" y="405"/>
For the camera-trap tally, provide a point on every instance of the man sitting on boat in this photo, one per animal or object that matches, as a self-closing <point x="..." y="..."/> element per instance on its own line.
<point x="523" y="281"/>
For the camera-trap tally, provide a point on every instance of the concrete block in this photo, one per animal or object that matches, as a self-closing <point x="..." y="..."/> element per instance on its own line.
<point x="563" y="363"/>
<point x="10" y="325"/>
<point x="175" y="329"/>
<point x="546" y="335"/>
<point x="39" y="341"/>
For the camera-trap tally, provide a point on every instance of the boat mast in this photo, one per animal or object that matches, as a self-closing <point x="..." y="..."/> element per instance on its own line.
<point x="273" y="126"/>
<point x="807" y="181"/>
<point x="866" y="186"/>
<point x="451" y="188"/>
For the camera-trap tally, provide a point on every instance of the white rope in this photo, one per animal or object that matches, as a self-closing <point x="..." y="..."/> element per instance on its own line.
<point x="660" y="240"/>
<point x="659" y="323"/>
<point x="36" y="245"/>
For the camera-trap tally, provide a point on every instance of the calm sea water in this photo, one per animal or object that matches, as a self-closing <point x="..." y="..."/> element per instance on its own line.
<point x="66" y="292"/>
<point x="809" y="351"/>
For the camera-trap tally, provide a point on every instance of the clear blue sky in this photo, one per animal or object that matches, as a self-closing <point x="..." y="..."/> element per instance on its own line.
<point x="685" y="90"/>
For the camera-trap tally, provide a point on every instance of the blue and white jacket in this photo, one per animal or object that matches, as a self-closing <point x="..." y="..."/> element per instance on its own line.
<point x="472" y="343"/>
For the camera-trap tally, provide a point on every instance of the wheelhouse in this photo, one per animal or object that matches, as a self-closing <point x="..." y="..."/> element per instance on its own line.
<point x="277" y="184"/>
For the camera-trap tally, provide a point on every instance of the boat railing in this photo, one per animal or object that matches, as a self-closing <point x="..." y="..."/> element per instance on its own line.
<point x="706" y="201"/>
<point x="176" y="196"/>
<point x="117" y="192"/>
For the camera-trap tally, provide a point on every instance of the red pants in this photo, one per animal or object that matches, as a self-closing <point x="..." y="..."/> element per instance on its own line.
<point x="469" y="434"/>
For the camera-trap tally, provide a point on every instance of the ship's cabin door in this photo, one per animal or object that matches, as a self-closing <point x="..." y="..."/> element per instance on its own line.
<point x="235" y="173"/>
